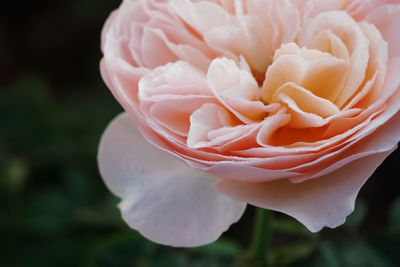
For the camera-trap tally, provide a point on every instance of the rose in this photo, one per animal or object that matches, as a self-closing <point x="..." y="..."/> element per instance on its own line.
<point x="286" y="105"/>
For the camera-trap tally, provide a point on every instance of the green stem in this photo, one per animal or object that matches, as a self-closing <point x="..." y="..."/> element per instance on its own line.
<point x="259" y="247"/>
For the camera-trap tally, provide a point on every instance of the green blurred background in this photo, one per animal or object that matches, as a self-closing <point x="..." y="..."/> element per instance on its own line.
<point x="54" y="207"/>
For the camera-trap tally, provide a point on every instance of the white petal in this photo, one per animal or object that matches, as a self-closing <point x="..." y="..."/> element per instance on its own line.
<point x="164" y="199"/>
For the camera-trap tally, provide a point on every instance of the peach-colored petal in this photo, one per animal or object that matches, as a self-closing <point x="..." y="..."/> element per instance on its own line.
<point x="328" y="42"/>
<point x="316" y="203"/>
<point x="306" y="100"/>
<point x="376" y="70"/>
<point x="383" y="139"/>
<point x="342" y="25"/>
<point x="298" y="117"/>
<point x="270" y="125"/>
<point x="316" y="71"/>
<point x="389" y="95"/>
<point x="170" y="204"/>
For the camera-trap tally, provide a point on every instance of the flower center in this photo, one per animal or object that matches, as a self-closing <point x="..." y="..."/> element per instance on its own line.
<point x="259" y="77"/>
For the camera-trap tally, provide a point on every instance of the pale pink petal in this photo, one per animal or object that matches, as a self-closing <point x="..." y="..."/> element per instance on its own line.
<point x="316" y="203"/>
<point x="235" y="82"/>
<point x="162" y="198"/>
<point x="202" y="16"/>
<point x="277" y="22"/>
<point x="247" y="39"/>
<point x="237" y="91"/>
<point x="174" y="112"/>
<point x="123" y="79"/>
<point x="315" y="7"/>
<point x="155" y="51"/>
<point x="207" y="118"/>
<point x="279" y="15"/>
<point x="229" y="139"/>
<point x="162" y="50"/>
<point x="387" y="19"/>
<point x="179" y="78"/>
<point x="359" y="9"/>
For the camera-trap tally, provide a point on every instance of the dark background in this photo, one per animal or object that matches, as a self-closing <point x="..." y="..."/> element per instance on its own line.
<point x="54" y="207"/>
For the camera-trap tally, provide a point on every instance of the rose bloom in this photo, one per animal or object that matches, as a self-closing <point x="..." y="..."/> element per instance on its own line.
<point x="285" y="105"/>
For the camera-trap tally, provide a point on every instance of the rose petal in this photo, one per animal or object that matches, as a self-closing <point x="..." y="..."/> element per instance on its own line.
<point x="162" y="198"/>
<point x="237" y="91"/>
<point x="325" y="201"/>
<point x="387" y="19"/>
<point x="316" y="71"/>
<point x="179" y="78"/>
<point x="306" y="100"/>
<point x="205" y="119"/>
<point x="344" y="26"/>
<point x="314" y="7"/>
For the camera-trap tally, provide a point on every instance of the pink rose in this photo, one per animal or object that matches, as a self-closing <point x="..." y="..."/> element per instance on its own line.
<point x="285" y="105"/>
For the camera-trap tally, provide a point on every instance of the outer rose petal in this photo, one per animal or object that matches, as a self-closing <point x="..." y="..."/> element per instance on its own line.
<point x="327" y="200"/>
<point x="316" y="203"/>
<point x="387" y="18"/>
<point x="171" y="203"/>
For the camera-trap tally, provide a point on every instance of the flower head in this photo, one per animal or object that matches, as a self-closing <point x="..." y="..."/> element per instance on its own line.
<point x="286" y="105"/>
